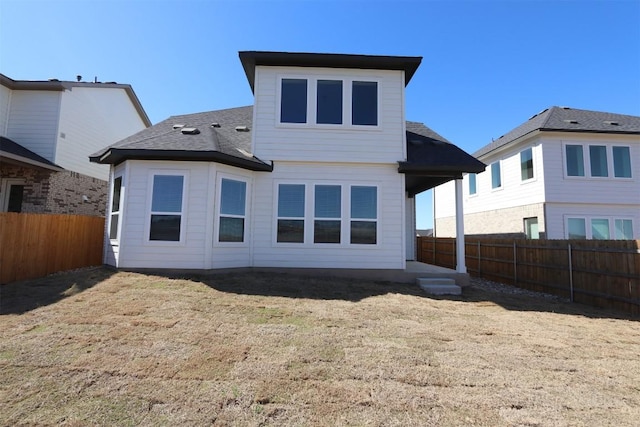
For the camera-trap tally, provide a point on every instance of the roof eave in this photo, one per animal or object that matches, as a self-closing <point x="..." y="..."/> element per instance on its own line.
<point x="30" y="162"/>
<point x="118" y="155"/>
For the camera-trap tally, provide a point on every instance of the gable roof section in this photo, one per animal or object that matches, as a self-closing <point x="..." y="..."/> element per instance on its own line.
<point x="565" y="119"/>
<point x="250" y="59"/>
<point x="13" y="152"/>
<point x="167" y="141"/>
<point x="432" y="160"/>
<point x="58" y="85"/>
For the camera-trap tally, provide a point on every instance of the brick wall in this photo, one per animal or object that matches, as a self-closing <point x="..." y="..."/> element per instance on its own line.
<point x="495" y="223"/>
<point x="48" y="191"/>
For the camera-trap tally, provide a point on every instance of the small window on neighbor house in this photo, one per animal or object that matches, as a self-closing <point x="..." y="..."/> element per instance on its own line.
<point x="621" y="162"/>
<point x="16" y="194"/>
<point x="576" y="228"/>
<point x="291" y="198"/>
<point x="328" y="214"/>
<point x="575" y="160"/>
<point x="166" y="208"/>
<point x="329" y="102"/>
<point x="598" y="160"/>
<point x="472" y="184"/>
<point x="623" y="229"/>
<point x="115" y="208"/>
<point x="526" y="164"/>
<point x="531" y="228"/>
<point x="364" y="215"/>
<point x="293" y="101"/>
<point x="496" y="179"/>
<point x="364" y="103"/>
<point x="600" y="229"/>
<point x="233" y="196"/>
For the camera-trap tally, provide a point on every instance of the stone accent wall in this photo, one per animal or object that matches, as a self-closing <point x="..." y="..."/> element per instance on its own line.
<point x="47" y="191"/>
<point x="494" y="223"/>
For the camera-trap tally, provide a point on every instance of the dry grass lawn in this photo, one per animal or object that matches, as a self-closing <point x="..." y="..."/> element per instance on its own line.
<point x="99" y="347"/>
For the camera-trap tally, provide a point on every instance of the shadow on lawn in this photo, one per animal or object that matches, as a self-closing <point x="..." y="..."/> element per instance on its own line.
<point x="328" y="288"/>
<point x="21" y="297"/>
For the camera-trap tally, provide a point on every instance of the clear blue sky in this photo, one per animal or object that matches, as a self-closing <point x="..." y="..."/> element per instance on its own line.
<point x="488" y="65"/>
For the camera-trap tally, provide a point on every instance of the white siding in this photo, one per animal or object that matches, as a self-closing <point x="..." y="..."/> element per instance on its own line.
<point x="387" y="254"/>
<point x="91" y="119"/>
<point x="5" y="102"/>
<point x="33" y="121"/>
<point x="136" y="251"/>
<point x="274" y="141"/>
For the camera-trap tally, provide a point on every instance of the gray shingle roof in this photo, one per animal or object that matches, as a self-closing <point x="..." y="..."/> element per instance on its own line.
<point x="565" y="119"/>
<point x="432" y="160"/>
<point x="166" y="141"/>
<point x="12" y="150"/>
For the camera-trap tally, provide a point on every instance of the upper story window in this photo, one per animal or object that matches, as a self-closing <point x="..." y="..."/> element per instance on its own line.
<point x="293" y="101"/>
<point x="324" y="101"/>
<point x="329" y="102"/>
<point x="496" y="179"/>
<point x="472" y="184"/>
<point x="166" y="208"/>
<point x="526" y="164"/>
<point x="601" y="160"/>
<point x="598" y="156"/>
<point x="364" y="103"/>
<point x="621" y="162"/>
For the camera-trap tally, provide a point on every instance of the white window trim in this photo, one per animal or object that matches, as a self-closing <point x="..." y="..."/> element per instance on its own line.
<point x="312" y="92"/>
<point x="183" y="212"/>
<point x="6" y="188"/>
<point x="588" y="226"/>
<point x="586" y="160"/>
<point x="121" y="206"/>
<point x="345" y="219"/>
<point x="533" y="165"/>
<point x="501" y="186"/>
<point x="247" y="211"/>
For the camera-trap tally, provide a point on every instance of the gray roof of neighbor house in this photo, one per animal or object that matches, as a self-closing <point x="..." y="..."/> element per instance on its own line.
<point x="11" y="151"/>
<point x="222" y="136"/>
<point x="432" y="160"/>
<point x="250" y="59"/>
<point x="565" y="119"/>
<point x="59" y="85"/>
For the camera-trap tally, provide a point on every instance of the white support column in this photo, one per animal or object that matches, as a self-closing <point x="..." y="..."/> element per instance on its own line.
<point x="460" y="267"/>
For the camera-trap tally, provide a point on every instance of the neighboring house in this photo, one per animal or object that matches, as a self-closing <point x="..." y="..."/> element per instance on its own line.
<point x="48" y="129"/>
<point x="320" y="173"/>
<point x="563" y="174"/>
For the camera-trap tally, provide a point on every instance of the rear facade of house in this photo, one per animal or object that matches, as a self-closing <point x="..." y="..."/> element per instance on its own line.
<point x="564" y="174"/>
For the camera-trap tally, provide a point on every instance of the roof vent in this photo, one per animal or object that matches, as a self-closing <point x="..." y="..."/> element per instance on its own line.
<point x="215" y="125"/>
<point x="54" y="80"/>
<point x="242" y="129"/>
<point x="572" y="121"/>
<point x="611" y="122"/>
<point x="566" y="108"/>
<point x="190" y="131"/>
<point x="178" y="126"/>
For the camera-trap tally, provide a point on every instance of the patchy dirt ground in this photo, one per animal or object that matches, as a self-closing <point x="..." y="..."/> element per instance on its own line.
<point x="99" y="347"/>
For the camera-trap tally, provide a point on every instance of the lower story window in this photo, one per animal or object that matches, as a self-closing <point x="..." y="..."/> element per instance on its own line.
<point x="599" y="228"/>
<point x="233" y="195"/>
<point x="623" y="229"/>
<point x="328" y="213"/>
<point x="166" y="208"/>
<point x="364" y="215"/>
<point x="576" y="228"/>
<point x="531" y="228"/>
<point x="291" y="199"/>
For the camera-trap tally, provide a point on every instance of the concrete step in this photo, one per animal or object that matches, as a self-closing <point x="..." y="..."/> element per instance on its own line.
<point x="439" y="286"/>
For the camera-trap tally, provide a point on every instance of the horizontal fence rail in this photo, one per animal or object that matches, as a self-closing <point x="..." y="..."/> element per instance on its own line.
<point x="602" y="273"/>
<point x="34" y="245"/>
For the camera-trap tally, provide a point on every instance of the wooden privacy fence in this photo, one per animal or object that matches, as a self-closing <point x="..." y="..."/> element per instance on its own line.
<point x="34" y="245"/>
<point x="602" y="273"/>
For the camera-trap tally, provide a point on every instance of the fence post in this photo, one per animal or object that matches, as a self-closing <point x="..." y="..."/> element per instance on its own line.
<point x="479" y="257"/>
<point x="570" y="274"/>
<point x="515" y="263"/>
<point x="433" y="249"/>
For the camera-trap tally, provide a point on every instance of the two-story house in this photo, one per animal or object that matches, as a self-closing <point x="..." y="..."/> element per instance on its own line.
<point x="320" y="173"/>
<point x="47" y="131"/>
<point x="563" y="174"/>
